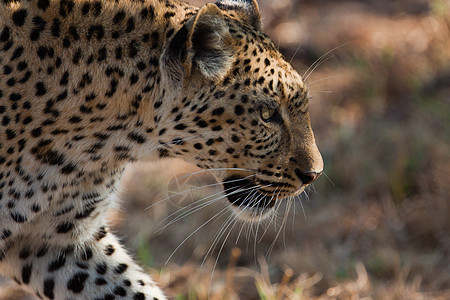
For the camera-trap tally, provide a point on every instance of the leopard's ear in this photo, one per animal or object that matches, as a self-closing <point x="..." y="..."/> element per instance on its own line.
<point x="203" y="44"/>
<point x="246" y="9"/>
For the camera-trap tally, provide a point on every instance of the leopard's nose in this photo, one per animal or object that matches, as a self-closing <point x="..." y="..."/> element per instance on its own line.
<point x="307" y="177"/>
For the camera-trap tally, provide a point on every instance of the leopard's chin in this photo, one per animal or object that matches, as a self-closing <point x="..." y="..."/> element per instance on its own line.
<point x="248" y="201"/>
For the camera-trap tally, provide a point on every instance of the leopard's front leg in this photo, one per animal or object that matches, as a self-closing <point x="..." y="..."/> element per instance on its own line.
<point x="96" y="269"/>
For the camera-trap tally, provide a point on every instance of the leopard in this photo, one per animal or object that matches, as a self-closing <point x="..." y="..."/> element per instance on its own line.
<point x="88" y="87"/>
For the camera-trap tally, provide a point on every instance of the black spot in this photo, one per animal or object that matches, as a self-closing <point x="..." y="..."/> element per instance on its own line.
<point x="75" y="119"/>
<point x="43" y="4"/>
<point x="97" y="8"/>
<point x="139" y="296"/>
<point x="7" y="70"/>
<point x="17" y="53"/>
<point x="66" y="42"/>
<point x="218" y="111"/>
<point x="168" y="15"/>
<point x="133" y="48"/>
<point x="109" y="250"/>
<point x="35" y="208"/>
<point x="198" y="146"/>
<point x="76" y="283"/>
<point x="230" y="150"/>
<point x="69" y="168"/>
<point x="85" y="8"/>
<point x="121" y="268"/>
<point x="163" y="153"/>
<point x="102" y="53"/>
<point x="40" y="26"/>
<point x="157" y="104"/>
<point x="64" y="227"/>
<point x="11" y="82"/>
<point x="53" y="158"/>
<point x="112" y="89"/>
<point x="15" y="97"/>
<point x="100" y="234"/>
<point x="180" y="126"/>
<point x="64" y="79"/>
<point x="202" y="109"/>
<point x="62" y="96"/>
<point x="96" y="30"/>
<point x="136" y="137"/>
<point x="100" y="281"/>
<point x="85" y="109"/>
<point x="56" y="27"/>
<point x="101" y="268"/>
<point x="162" y="131"/>
<point x="26" y="273"/>
<point x="202" y="124"/>
<point x="120" y="291"/>
<point x="119" y="17"/>
<point x="18" y="218"/>
<point x="24" y="253"/>
<point x="19" y="17"/>
<point x="5" y="35"/>
<point x="126" y="282"/>
<point x="5" y="234"/>
<point x="73" y="31"/>
<point x="76" y="57"/>
<point x="6" y="121"/>
<point x="141" y="66"/>
<point x="49" y="284"/>
<point x="7" y="46"/>
<point x="57" y="263"/>
<point x="36" y="132"/>
<point x="238" y="110"/>
<point x="130" y="25"/>
<point x="133" y="79"/>
<point x="118" y="52"/>
<point x="42" y="251"/>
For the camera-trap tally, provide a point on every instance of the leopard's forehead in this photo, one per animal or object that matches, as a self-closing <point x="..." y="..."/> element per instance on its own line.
<point x="262" y="65"/>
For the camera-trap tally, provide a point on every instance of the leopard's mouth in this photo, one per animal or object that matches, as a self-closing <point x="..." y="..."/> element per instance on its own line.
<point x="244" y="194"/>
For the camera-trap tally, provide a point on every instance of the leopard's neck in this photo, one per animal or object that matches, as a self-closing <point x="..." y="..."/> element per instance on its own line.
<point x="99" y="67"/>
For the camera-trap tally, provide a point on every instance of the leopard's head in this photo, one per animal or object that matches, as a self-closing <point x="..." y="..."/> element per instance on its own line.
<point x="242" y="110"/>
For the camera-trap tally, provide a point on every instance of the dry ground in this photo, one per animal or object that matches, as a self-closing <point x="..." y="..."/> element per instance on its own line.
<point x="377" y="225"/>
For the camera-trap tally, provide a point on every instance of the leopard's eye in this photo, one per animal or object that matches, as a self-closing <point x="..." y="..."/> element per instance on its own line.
<point x="267" y="113"/>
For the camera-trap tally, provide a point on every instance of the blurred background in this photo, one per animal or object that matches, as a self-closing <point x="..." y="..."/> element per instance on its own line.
<point x="377" y="224"/>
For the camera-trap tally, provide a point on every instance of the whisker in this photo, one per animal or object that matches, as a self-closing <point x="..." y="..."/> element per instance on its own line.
<point x="219" y="234"/>
<point x="230" y="220"/>
<point x="301" y="205"/>
<point x="273" y="214"/>
<point x="319" y="61"/>
<point x="283" y="223"/>
<point x="311" y="84"/>
<point x="329" y="179"/>
<point x="321" y="91"/>
<point x="296" y="51"/>
<point x="221" y="212"/>
<point x="198" y="206"/>
<point x="217" y="169"/>
<point x="196" y="188"/>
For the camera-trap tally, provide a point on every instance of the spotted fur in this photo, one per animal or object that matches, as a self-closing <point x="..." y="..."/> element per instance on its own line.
<point x="87" y="86"/>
